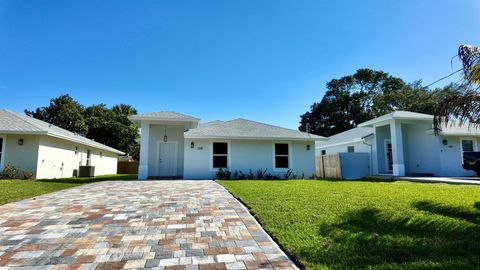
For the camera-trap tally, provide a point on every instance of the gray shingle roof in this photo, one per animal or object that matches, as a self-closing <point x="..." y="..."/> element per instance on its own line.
<point x="164" y="115"/>
<point x="15" y="123"/>
<point x="246" y="129"/>
<point x="354" y="134"/>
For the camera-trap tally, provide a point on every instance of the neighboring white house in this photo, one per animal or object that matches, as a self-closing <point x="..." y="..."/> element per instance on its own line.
<point x="47" y="151"/>
<point x="176" y="145"/>
<point x="404" y="143"/>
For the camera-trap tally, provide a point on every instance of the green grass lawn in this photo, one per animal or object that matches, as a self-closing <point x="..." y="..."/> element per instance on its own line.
<point x="368" y="225"/>
<point x="14" y="190"/>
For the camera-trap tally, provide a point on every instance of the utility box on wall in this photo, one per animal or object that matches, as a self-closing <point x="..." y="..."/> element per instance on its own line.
<point x="86" y="171"/>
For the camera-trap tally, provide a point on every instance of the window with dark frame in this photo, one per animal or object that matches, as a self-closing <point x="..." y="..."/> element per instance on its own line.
<point x="467" y="146"/>
<point x="350" y="149"/>
<point x="324" y="152"/>
<point x="220" y="155"/>
<point x="281" y="156"/>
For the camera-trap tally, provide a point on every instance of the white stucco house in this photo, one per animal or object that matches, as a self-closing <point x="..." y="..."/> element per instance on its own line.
<point x="403" y="143"/>
<point x="47" y="151"/>
<point x="177" y="145"/>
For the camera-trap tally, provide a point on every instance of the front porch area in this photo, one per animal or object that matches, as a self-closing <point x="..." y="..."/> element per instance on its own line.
<point x="162" y="144"/>
<point x="404" y="148"/>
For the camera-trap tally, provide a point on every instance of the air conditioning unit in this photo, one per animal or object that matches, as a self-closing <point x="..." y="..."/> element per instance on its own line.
<point x="86" y="171"/>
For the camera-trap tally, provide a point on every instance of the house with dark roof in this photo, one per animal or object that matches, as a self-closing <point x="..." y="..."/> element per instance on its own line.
<point x="43" y="150"/>
<point x="178" y="145"/>
<point x="404" y="143"/>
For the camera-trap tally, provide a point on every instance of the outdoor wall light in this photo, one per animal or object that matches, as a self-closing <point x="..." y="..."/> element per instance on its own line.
<point x="165" y="138"/>
<point x="20" y="142"/>
<point x="192" y="145"/>
<point x="308" y="147"/>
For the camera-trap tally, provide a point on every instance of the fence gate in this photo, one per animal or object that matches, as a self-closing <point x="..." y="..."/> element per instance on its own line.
<point x="127" y="167"/>
<point x="328" y="166"/>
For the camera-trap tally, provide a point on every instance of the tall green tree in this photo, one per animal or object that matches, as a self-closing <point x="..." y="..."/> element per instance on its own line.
<point x="112" y="127"/>
<point x="349" y="101"/>
<point x="109" y="126"/>
<point x="463" y="106"/>
<point x="367" y="94"/>
<point x="63" y="112"/>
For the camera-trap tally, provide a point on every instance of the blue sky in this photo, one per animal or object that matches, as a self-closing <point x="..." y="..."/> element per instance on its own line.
<point x="263" y="60"/>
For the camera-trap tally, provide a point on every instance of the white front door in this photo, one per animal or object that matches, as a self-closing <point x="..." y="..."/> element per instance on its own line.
<point x="167" y="159"/>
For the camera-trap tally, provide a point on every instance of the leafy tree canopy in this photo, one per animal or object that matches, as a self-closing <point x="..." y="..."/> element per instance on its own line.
<point x="463" y="106"/>
<point x="365" y="95"/>
<point x="109" y="126"/>
<point x="63" y="112"/>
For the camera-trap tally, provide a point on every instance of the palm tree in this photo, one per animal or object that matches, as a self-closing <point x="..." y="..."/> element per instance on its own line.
<point x="463" y="106"/>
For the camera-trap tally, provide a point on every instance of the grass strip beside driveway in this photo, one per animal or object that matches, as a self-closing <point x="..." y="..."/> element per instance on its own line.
<point x="369" y="225"/>
<point x="15" y="190"/>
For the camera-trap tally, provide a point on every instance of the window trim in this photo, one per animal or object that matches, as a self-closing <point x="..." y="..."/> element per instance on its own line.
<point x="474" y="141"/>
<point x="3" y="149"/>
<point x="229" y="154"/>
<point x="274" y="165"/>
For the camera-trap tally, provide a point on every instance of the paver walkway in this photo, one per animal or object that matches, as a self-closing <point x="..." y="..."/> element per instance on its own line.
<point x="144" y="224"/>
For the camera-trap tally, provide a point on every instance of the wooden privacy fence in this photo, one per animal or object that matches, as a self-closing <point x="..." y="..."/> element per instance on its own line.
<point x="127" y="167"/>
<point x="328" y="166"/>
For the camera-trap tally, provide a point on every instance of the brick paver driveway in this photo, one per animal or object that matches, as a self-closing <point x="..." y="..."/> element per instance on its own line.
<point x="144" y="224"/>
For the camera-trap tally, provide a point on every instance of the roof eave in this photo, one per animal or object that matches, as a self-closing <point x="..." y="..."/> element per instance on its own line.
<point x="339" y="143"/>
<point x="466" y="134"/>
<point x="256" y="138"/>
<point x="18" y="132"/>
<point x="103" y="147"/>
<point x="376" y="122"/>
<point x="160" y="119"/>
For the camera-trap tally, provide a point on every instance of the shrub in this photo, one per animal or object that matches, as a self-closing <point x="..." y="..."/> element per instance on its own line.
<point x="235" y="175"/>
<point x="27" y="175"/>
<point x="288" y="174"/>
<point x="250" y="174"/>
<point x="9" y="172"/>
<point x="268" y="176"/>
<point x="223" y="174"/>
<point x="241" y="176"/>
<point x="261" y="173"/>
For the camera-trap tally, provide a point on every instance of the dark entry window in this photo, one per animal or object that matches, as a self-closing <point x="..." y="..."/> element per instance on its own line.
<point x="281" y="155"/>
<point x="220" y="155"/>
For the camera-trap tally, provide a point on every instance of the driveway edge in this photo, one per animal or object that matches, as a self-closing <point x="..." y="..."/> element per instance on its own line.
<point x="294" y="261"/>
